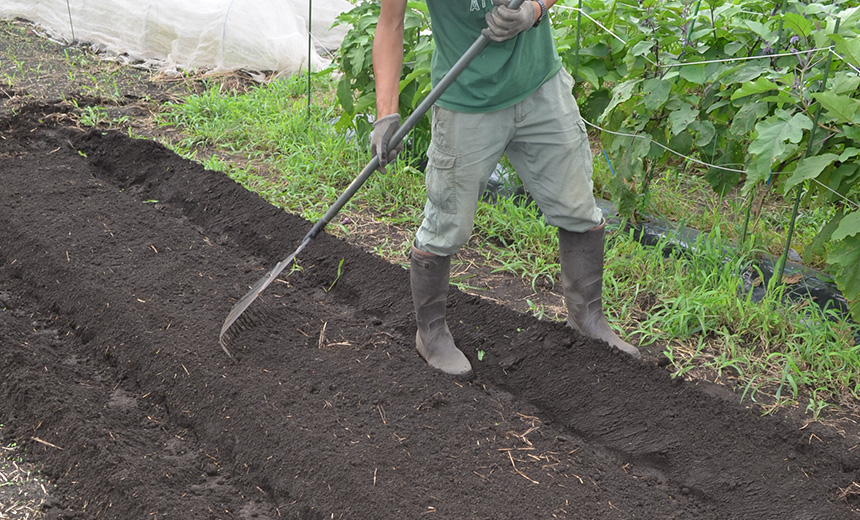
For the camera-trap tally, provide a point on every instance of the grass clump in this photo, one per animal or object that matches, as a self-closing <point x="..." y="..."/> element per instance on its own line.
<point x="269" y="140"/>
<point x="702" y="308"/>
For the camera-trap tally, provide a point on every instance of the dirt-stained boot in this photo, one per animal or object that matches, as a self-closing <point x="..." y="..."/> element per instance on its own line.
<point x="582" y="279"/>
<point x="429" y="277"/>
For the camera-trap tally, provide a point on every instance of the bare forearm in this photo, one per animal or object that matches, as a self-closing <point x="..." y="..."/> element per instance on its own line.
<point x="388" y="56"/>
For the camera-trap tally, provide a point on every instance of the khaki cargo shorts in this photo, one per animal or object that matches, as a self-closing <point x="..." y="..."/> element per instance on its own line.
<point x="544" y="139"/>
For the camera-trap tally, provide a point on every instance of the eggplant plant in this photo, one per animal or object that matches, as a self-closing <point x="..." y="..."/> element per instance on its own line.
<point x="761" y="93"/>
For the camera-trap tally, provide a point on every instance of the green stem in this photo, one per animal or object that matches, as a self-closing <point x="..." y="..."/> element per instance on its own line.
<point x="647" y="182"/>
<point x="747" y="220"/>
<point x="687" y="36"/>
<point x="576" y="51"/>
<point x="781" y="21"/>
<point x="692" y="26"/>
<point x="780" y="266"/>
<point x="611" y="14"/>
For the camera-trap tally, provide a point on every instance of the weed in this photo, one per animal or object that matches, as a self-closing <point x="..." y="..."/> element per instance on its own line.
<point x="339" y="273"/>
<point x="537" y="310"/>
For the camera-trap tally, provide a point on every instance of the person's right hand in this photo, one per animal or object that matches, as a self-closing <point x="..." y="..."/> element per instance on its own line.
<point x="504" y="23"/>
<point x="383" y="130"/>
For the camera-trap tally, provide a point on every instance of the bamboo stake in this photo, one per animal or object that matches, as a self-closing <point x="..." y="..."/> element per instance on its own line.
<point x="310" y="46"/>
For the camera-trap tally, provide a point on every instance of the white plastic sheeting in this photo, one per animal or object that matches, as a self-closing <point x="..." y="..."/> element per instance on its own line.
<point x="218" y="35"/>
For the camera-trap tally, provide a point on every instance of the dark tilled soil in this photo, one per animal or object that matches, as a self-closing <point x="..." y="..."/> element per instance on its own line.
<point x="118" y="264"/>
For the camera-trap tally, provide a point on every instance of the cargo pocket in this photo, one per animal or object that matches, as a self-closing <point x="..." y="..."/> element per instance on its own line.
<point x="440" y="180"/>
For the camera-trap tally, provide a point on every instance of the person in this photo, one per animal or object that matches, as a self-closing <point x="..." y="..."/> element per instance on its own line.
<point x="514" y="98"/>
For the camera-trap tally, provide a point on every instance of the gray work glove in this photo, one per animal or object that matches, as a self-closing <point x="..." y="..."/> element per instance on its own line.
<point x="383" y="129"/>
<point x="503" y="23"/>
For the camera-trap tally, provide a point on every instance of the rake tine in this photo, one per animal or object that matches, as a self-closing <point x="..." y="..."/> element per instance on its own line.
<point x="235" y="320"/>
<point x="248" y="320"/>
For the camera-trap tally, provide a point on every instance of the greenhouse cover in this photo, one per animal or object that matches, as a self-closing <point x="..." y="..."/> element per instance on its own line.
<point x="212" y="35"/>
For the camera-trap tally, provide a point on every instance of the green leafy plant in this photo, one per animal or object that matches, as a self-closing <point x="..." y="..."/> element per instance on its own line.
<point x="763" y="97"/>
<point x="356" y="90"/>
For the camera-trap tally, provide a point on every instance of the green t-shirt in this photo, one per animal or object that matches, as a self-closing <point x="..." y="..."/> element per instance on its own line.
<point x="503" y="74"/>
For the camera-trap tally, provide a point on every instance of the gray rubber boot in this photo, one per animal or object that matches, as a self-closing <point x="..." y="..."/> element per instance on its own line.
<point x="429" y="276"/>
<point x="582" y="279"/>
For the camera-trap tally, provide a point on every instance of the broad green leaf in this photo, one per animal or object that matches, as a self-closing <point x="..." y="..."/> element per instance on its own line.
<point x="722" y="180"/>
<point x="587" y="73"/>
<point x="732" y="47"/>
<point x="620" y="94"/>
<point x="849" y="153"/>
<point x="844" y="178"/>
<point x="756" y="87"/>
<point x="819" y="242"/>
<point x="593" y="105"/>
<point x="814" y="9"/>
<point x="599" y="50"/>
<point x="848" y="48"/>
<point x="758" y="170"/>
<point x="656" y="93"/>
<point x="705" y="132"/>
<point x="845" y="83"/>
<point x="717" y="106"/>
<point x="852" y="132"/>
<point x="850" y="17"/>
<point x="682" y="143"/>
<point x="726" y="9"/>
<point x="846" y="254"/>
<point x="693" y="73"/>
<point x="641" y="146"/>
<point x="680" y="119"/>
<point x="344" y="94"/>
<point x="623" y="196"/>
<point x="412" y="76"/>
<point x="841" y="108"/>
<point x="672" y="74"/>
<point x="809" y="168"/>
<point x="658" y="138"/>
<point x="642" y="48"/>
<point x="798" y="24"/>
<point x="758" y="28"/>
<point x="355" y="57"/>
<point x="848" y="227"/>
<point x="746" y="117"/>
<point x="781" y="98"/>
<point x="742" y="74"/>
<point x="775" y="131"/>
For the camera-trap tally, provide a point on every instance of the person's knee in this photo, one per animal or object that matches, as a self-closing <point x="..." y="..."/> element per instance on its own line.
<point x="460" y="237"/>
<point x="443" y="245"/>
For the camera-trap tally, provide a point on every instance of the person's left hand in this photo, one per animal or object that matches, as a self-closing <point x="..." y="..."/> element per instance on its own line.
<point x="504" y="23"/>
<point x="384" y="129"/>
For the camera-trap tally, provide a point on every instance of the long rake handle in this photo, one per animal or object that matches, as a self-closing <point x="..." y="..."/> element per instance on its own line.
<point x="356" y="183"/>
<point x="407" y="126"/>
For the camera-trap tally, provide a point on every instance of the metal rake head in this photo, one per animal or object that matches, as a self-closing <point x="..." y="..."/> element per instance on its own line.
<point x="237" y="320"/>
<point x="252" y="317"/>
